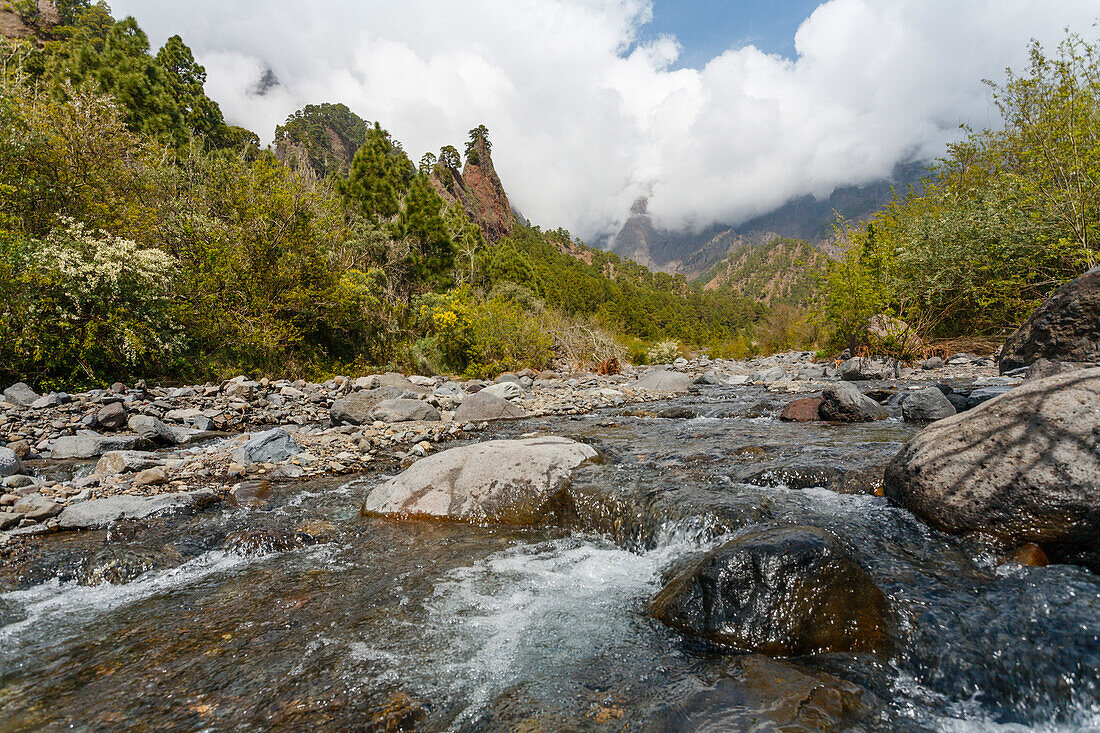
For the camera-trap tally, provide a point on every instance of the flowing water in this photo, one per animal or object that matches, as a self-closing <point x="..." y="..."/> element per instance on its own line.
<point x="244" y="623"/>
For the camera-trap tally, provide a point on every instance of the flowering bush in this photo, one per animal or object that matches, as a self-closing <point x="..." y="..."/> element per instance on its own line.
<point x="82" y="307"/>
<point x="665" y="352"/>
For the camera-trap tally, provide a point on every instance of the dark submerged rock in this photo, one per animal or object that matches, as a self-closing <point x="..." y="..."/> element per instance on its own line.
<point x="781" y="591"/>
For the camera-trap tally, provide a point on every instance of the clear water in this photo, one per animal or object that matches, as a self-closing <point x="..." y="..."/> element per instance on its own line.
<point x="441" y="626"/>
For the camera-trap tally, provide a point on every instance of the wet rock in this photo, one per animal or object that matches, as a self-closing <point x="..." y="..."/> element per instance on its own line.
<point x="662" y="380"/>
<point x="261" y="541"/>
<point x="801" y="410"/>
<point x="251" y="494"/>
<point x="271" y="446"/>
<point x="1065" y="327"/>
<point x="865" y="480"/>
<point x="10" y="464"/>
<point x="356" y="408"/>
<point x="781" y="591"/>
<point x="1030" y="555"/>
<point x="320" y="530"/>
<point x="843" y="402"/>
<point x="20" y="394"/>
<point x="90" y="445"/>
<point x="112" y="416"/>
<point x="926" y="405"/>
<point x="1022" y="467"/>
<point x="117" y="563"/>
<point x="501" y="481"/>
<point x="98" y="513"/>
<point x="121" y="461"/>
<point x="504" y="390"/>
<point x="483" y="407"/>
<point x="676" y="412"/>
<point x="402" y="410"/>
<point x="37" y="507"/>
<point x="152" y="429"/>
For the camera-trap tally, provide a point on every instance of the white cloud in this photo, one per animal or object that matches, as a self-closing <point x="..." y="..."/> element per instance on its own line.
<point x="583" y="120"/>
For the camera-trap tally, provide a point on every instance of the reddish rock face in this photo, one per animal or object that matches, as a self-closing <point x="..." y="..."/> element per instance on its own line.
<point x="802" y="410"/>
<point x="479" y="191"/>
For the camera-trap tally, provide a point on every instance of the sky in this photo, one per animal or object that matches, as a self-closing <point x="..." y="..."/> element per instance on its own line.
<point x="715" y="110"/>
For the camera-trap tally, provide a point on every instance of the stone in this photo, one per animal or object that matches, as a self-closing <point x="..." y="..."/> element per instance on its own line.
<point x="1043" y="368"/>
<point x="46" y="401"/>
<point x="272" y="446"/>
<point x="20" y="394"/>
<point x="883" y="330"/>
<point x="1022" y="467"/>
<point x="934" y="362"/>
<point x="707" y="379"/>
<point x="402" y="410"/>
<point x="111" y="416"/>
<point x="99" y="513"/>
<point x="368" y="382"/>
<point x="240" y="387"/>
<point x="357" y="407"/>
<point x="92" y="445"/>
<point x="399" y="382"/>
<point x="450" y="389"/>
<point x="122" y="461"/>
<point x="860" y="368"/>
<point x="1030" y="555"/>
<point x="801" y="410"/>
<point x="154" y="476"/>
<point x="251" y="494"/>
<point x="926" y="405"/>
<point x="984" y="394"/>
<point x="483" y="407"/>
<point x="22" y="448"/>
<point x="10" y="464"/>
<point x="505" y="390"/>
<point x="152" y="429"/>
<point x="1065" y="327"/>
<point x="780" y="591"/>
<point x="117" y="563"/>
<point x="515" y="482"/>
<point x="843" y="402"/>
<point x="18" y="481"/>
<point x="774" y="374"/>
<point x="37" y="507"/>
<point x="662" y="380"/>
<point x="861" y="480"/>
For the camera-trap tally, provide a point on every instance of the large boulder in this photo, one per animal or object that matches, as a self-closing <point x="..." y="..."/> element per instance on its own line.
<point x="10" y="464"/>
<point x="926" y="405"/>
<point x="111" y="416"/>
<point x="357" y="407"/>
<point x="153" y="429"/>
<point x="404" y="410"/>
<point x="20" y="394"/>
<point x="1022" y="467"/>
<point x="504" y="390"/>
<point x="501" y="481"/>
<point x="662" y="380"/>
<point x="801" y="410"/>
<point x="781" y="591"/>
<point x="481" y="407"/>
<point x="122" y="461"/>
<point x="843" y="402"/>
<point x="270" y="446"/>
<point x="91" y="445"/>
<point x="1065" y="327"/>
<point x="99" y="513"/>
<point x="861" y="368"/>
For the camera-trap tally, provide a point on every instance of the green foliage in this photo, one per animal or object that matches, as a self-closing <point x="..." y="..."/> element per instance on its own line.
<point x="432" y="253"/>
<point x="1010" y="214"/>
<point x="479" y="138"/>
<point x="79" y="308"/>
<point x="379" y="175"/>
<point x="664" y="352"/>
<point x="779" y="271"/>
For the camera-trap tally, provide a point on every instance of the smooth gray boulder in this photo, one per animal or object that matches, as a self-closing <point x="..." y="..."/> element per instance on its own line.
<point x="861" y="368"/>
<point x="37" y="507"/>
<point x="662" y="380"/>
<point x="10" y="464"/>
<point x="111" y="416"/>
<point x="843" y="402"/>
<point x="484" y="407"/>
<point x="774" y="374"/>
<point x="99" y="513"/>
<point x="1023" y="467"/>
<point x="402" y="410"/>
<point x="121" y="461"/>
<point x="450" y="389"/>
<point x="270" y="446"/>
<point x="91" y="445"/>
<point x="356" y="408"/>
<point x="505" y="390"/>
<point x="20" y="394"/>
<point x="152" y="429"/>
<point x="926" y="405"/>
<point x="501" y="481"/>
<point x="399" y="382"/>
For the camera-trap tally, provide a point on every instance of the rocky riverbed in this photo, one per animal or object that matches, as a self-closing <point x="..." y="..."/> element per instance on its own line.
<point x="700" y="546"/>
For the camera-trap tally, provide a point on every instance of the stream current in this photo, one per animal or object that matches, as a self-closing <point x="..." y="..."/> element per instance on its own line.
<point x="240" y="625"/>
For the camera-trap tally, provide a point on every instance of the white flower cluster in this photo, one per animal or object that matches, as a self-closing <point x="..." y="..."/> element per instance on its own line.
<point x="96" y="264"/>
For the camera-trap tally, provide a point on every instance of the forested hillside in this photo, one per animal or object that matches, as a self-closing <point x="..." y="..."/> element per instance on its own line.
<point x="142" y="235"/>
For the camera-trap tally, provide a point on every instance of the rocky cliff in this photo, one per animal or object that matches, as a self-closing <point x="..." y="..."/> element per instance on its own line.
<point x="34" y="25"/>
<point x="477" y="188"/>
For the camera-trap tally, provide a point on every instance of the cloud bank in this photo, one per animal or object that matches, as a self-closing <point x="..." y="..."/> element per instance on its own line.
<point x="585" y="117"/>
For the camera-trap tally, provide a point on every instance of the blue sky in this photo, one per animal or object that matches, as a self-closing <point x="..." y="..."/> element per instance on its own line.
<point x="706" y="28"/>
